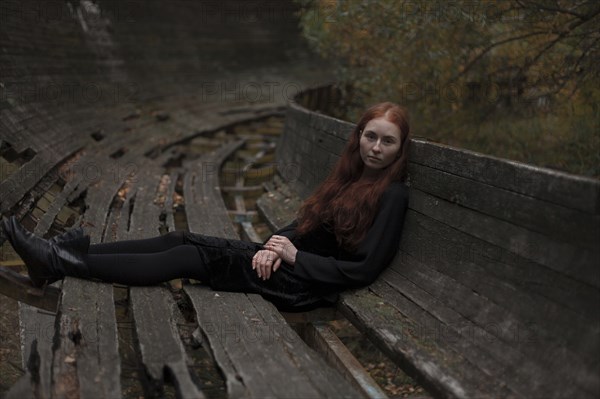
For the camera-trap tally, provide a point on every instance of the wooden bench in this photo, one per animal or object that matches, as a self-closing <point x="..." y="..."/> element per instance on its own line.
<point x="495" y="289"/>
<point x="79" y="349"/>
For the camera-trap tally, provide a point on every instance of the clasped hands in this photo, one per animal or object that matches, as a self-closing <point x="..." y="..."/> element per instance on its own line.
<point x="268" y="260"/>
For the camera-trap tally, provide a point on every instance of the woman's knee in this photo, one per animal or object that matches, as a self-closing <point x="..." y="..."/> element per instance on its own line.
<point x="175" y="237"/>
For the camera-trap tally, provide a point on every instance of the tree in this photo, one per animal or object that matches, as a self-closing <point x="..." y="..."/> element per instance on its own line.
<point x="463" y="65"/>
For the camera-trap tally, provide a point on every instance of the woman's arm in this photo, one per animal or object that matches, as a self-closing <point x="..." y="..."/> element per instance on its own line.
<point x="288" y="231"/>
<point x="268" y="261"/>
<point x="374" y="253"/>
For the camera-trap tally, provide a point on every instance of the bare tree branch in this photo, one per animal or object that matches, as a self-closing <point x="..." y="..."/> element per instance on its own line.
<point x="538" y="6"/>
<point x="492" y="46"/>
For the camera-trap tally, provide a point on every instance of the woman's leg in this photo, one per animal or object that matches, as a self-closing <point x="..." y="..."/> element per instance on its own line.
<point x="182" y="261"/>
<point x="147" y="245"/>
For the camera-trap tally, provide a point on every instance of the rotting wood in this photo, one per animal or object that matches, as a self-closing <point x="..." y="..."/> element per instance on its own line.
<point x="320" y="337"/>
<point x="87" y="360"/>
<point x="558" y="222"/>
<point x="155" y="313"/>
<point x="12" y="284"/>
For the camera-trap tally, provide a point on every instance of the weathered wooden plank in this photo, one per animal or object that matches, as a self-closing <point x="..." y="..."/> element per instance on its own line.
<point x="168" y="206"/>
<point x="253" y="342"/>
<point x="277" y="209"/>
<point x="252" y="190"/>
<point x="490" y="346"/>
<point x="441" y="371"/>
<point x="557" y="222"/>
<point x="320" y="337"/>
<point x="23" y="181"/>
<point x="249" y="233"/>
<point x="154" y="311"/>
<point x="37" y="332"/>
<point x="575" y="192"/>
<point x="51" y="147"/>
<point x="487" y="334"/>
<point x="12" y="285"/>
<point x="499" y="281"/>
<point x="23" y="389"/>
<point x="155" y="314"/>
<point x="325" y="379"/>
<point x="239" y="345"/>
<point x="575" y="262"/>
<point x="204" y="204"/>
<point x="86" y="362"/>
<point x="311" y="316"/>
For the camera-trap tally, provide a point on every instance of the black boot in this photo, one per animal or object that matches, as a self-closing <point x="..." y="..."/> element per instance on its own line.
<point x="49" y="260"/>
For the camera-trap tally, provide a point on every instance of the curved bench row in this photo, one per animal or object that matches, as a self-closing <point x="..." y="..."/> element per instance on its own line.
<point x="494" y="291"/>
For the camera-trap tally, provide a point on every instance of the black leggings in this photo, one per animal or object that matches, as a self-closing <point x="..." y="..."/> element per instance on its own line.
<point x="147" y="261"/>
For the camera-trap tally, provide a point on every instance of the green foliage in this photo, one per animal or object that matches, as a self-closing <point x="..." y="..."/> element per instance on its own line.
<point x="512" y="78"/>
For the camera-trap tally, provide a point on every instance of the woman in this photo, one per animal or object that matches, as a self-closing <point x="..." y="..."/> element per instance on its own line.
<point x="345" y="234"/>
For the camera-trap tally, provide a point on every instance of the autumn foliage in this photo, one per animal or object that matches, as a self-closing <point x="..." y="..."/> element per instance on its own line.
<point x="514" y="78"/>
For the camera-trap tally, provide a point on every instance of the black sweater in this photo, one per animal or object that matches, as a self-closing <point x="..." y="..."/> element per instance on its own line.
<point x="320" y="259"/>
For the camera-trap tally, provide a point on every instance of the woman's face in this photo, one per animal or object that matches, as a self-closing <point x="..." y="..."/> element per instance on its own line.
<point x="379" y="143"/>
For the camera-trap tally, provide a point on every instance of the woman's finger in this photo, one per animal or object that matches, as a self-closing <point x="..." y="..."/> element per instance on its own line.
<point x="264" y="264"/>
<point x="259" y="256"/>
<point x="277" y="264"/>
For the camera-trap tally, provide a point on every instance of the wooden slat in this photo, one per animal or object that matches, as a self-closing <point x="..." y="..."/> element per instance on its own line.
<point x="429" y="245"/>
<point x="252" y="342"/>
<point x="557" y="222"/>
<point x="37" y="331"/>
<point x="575" y="192"/>
<point x="277" y="209"/>
<point x="160" y="345"/>
<point x="495" y="339"/>
<point x="320" y="337"/>
<point x="168" y="207"/>
<point x="575" y="262"/>
<point x="22" y="181"/>
<point x="250" y="233"/>
<point x="36" y="326"/>
<point x="325" y="379"/>
<point x="87" y="361"/>
<point x="204" y="204"/>
<point x="253" y="190"/>
<point x="155" y="314"/>
<point x="23" y="388"/>
<point x="441" y="371"/>
<point x="11" y="285"/>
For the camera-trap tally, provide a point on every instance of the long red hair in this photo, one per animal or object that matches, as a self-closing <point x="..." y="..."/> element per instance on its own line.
<point x="340" y="200"/>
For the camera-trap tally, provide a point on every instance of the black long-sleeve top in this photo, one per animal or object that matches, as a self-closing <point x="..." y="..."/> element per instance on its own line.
<point x="320" y="259"/>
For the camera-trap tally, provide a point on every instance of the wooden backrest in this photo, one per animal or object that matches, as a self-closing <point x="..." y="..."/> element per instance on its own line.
<point x="511" y="246"/>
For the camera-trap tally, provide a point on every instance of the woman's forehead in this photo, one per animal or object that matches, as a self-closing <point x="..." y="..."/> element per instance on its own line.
<point x="383" y="126"/>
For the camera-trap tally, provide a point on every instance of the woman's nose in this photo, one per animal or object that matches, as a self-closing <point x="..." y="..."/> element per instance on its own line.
<point x="377" y="147"/>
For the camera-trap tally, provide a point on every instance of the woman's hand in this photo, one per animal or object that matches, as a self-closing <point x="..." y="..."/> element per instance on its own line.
<point x="265" y="261"/>
<point x="283" y="247"/>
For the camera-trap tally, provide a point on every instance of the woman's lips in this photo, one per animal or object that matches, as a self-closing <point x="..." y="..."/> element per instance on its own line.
<point x="373" y="158"/>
